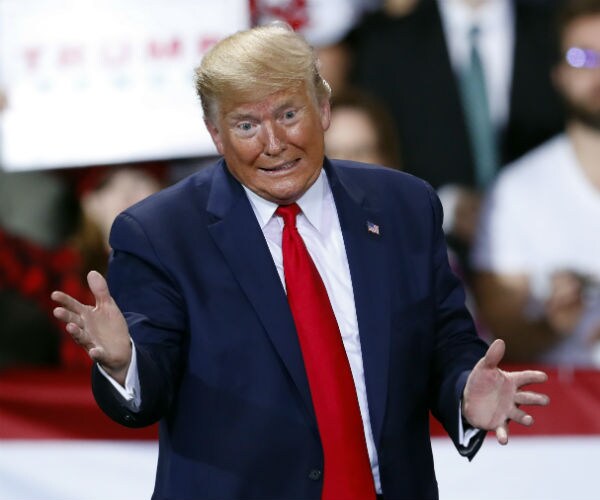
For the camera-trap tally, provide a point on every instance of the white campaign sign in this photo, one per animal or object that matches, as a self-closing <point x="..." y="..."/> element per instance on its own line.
<point x="90" y="82"/>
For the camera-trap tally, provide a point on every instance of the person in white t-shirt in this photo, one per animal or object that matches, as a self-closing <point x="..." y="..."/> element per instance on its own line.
<point x="537" y="253"/>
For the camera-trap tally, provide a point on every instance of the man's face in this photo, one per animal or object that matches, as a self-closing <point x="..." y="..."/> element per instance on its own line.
<point x="273" y="146"/>
<point x="580" y="86"/>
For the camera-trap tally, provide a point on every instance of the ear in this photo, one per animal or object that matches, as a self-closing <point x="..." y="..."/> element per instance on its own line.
<point x="215" y="135"/>
<point x="325" y="109"/>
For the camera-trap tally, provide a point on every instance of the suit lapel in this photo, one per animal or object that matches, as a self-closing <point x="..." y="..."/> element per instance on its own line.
<point x="237" y="233"/>
<point x="366" y="253"/>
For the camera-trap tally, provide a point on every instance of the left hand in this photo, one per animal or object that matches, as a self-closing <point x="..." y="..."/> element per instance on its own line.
<point x="492" y="396"/>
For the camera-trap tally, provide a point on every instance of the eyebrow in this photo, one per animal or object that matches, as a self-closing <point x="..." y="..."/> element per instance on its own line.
<point x="239" y="116"/>
<point x="233" y="117"/>
<point x="285" y="105"/>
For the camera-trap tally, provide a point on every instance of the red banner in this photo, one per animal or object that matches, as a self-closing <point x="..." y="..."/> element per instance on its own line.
<point x="58" y="404"/>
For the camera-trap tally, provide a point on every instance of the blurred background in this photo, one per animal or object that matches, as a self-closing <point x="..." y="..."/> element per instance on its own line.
<point x="495" y="103"/>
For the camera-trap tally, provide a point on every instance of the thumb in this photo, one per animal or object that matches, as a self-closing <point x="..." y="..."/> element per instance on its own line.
<point x="98" y="287"/>
<point x="494" y="354"/>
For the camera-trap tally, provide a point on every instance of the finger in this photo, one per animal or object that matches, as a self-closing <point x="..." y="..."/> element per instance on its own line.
<point x="75" y="331"/>
<point x="79" y="336"/>
<point x="97" y="354"/>
<point x="67" y="302"/>
<point x="526" y="377"/>
<point x="68" y="316"/>
<point x="494" y="354"/>
<point x="520" y="417"/>
<point x="99" y="288"/>
<point x="502" y="433"/>
<point x="531" y="398"/>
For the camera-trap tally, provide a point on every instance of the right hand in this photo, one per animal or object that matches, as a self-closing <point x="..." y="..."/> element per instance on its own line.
<point x="493" y="397"/>
<point x="101" y="330"/>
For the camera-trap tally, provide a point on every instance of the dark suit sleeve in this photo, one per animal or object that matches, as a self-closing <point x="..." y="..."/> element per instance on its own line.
<point x="155" y="313"/>
<point x="457" y="346"/>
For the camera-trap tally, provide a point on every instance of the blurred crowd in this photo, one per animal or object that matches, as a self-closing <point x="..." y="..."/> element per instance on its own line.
<point x="495" y="103"/>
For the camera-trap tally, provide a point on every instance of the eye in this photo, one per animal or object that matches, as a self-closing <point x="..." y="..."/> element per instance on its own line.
<point x="290" y="114"/>
<point x="245" y="128"/>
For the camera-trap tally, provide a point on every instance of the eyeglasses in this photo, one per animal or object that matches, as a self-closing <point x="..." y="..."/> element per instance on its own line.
<point x="577" y="57"/>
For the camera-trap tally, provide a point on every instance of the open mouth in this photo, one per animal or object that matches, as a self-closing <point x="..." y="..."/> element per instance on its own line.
<point x="283" y="167"/>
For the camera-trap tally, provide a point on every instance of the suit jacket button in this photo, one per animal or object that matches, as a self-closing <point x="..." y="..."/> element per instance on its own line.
<point x="315" y="474"/>
<point x="129" y="418"/>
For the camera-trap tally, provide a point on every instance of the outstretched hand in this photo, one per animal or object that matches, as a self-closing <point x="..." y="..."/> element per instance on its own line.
<point x="492" y="396"/>
<point x="101" y="330"/>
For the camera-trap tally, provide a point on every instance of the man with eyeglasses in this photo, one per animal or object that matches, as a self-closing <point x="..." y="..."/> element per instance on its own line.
<point x="538" y="279"/>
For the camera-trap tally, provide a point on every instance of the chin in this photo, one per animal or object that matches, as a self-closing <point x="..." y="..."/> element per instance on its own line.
<point x="284" y="196"/>
<point x="285" y="200"/>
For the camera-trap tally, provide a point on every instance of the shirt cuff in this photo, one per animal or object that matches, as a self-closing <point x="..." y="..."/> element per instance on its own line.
<point x="131" y="392"/>
<point x="465" y="435"/>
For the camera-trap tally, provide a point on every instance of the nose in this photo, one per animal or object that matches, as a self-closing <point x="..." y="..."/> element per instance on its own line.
<point x="274" y="139"/>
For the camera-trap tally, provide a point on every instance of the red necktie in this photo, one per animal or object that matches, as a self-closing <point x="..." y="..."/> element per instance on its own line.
<point x="347" y="471"/>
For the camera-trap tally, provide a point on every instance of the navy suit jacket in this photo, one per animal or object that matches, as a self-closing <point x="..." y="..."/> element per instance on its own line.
<point x="219" y="362"/>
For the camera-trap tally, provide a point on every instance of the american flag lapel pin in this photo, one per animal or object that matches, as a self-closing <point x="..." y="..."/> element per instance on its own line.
<point x="372" y="228"/>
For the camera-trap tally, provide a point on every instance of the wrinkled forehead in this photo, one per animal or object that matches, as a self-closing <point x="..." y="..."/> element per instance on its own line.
<point x="266" y="99"/>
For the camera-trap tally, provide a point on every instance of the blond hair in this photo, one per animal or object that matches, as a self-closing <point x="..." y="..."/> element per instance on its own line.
<point x="255" y="63"/>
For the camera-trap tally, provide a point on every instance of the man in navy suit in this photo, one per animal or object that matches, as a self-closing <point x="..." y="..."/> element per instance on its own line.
<point x="197" y="333"/>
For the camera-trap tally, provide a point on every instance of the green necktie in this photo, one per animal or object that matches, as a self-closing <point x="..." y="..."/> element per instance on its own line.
<point x="477" y="114"/>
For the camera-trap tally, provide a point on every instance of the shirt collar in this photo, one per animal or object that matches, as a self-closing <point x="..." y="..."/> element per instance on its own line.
<point x="311" y="203"/>
<point x="459" y="17"/>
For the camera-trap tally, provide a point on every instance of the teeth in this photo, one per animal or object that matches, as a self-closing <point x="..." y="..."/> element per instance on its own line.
<point x="284" y="166"/>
